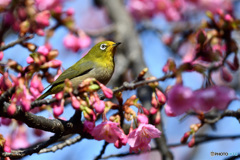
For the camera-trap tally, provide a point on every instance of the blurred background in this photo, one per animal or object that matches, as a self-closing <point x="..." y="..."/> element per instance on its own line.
<point x="151" y="32"/>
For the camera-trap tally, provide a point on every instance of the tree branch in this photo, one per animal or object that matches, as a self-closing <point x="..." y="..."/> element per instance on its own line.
<point x="102" y="151"/>
<point x="56" y="147"/>
<point x="20" y="40"/>
<point x="29" y="151"/>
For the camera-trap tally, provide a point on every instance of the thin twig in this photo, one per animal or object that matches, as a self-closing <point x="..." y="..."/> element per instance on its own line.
<point x="127" y="154"/>
<point x="102" y="151"/>
<point x="66" y="143"/>
<point x="6" y="95"/>
<point x="30" y="151"/>
<point x="20" y="40"/>
<point x="199" y="139"/>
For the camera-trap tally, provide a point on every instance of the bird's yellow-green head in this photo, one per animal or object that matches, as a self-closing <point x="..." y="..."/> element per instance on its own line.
<point x="103" y="49"/>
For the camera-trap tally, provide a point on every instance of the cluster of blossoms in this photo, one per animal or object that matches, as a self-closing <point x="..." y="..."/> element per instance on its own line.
<point x="74" y="43"/>
<point x="182" y="99"/>
<point x="33" y="16"/>
<point x="109" y="130"/>
<point x="174" y="10"/>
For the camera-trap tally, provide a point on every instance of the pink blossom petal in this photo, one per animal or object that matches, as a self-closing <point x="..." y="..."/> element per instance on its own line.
<point x="88" y="126"/>
<point x="140" y="137"/>
<point x="42" y="18"/>
<point x="180" y="99"/>
<point x="43" y="50"/>
<point x="99" y="106"/>
<point x="142" y="118"/>
<point x="217" y="96"/>
<point x="108" y="131"/>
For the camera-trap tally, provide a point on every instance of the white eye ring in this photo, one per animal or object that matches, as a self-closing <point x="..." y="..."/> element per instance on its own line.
<point x="103" y="46"/>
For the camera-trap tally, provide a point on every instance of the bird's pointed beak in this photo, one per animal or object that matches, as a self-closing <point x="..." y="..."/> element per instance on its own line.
<point x="116" y="44"/>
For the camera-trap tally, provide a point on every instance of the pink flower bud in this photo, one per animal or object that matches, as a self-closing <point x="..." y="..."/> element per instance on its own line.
<point x="43" y="50"/>
<point x="192" y="142"/>
<point x="6" y="121"/>
<point x="58" y="108"/>
<point x="226" y="75"/>
<point x="157" y="119"/>
<point x="89" y="114"/>
<point x="71" y="42"/>
<point x="228" y="17"/>
<point x="153" y="110"/>
<point x="99" y="106"/>
<point x="236" y="61"/>
<point x="185" y="137"/>
<point x="161" y="96"/>
<point x="55" y="63"/>
<point x="88" y="126"/>
<point x="58" y="9"/>
<point x="1" y="55"/>
<point x="142" y="118"/>
<point x="5" y="83"/>
<point x="26" y="104"/>
<point x="42" y="18"/>
<point x="59" y="95"/>
<point x="145" y="111"/>
<point x="11" y="109"/>
<point x="154" y="101"/>
<point x="84" y="41"/>
<point x="40" y="32"/>
<point x="7" y="149"/>
<point x="30" y="60"/>
<point x="106" y="91"/>
<point x="70" y="11"/>
<point x="75" y="102"/>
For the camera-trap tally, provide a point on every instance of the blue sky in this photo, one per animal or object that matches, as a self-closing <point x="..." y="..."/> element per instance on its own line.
<point x="155" y="55"/>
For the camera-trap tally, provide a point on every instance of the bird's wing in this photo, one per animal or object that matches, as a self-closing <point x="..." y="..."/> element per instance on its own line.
<point x="74" y="71"/>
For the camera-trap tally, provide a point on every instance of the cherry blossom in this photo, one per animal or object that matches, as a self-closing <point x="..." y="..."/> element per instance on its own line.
<point x="140" y="137"/>
<point x="180" y="99"/>
<point x="108" y="131"/>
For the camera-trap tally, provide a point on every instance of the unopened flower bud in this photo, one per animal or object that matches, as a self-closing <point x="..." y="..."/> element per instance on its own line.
<point x="70" y="11"/>
<point x="1" y="55"/>
<point x="89" y="114"/>
<point x="52" y="54"/>
<point x="6" y="121"/>
<point x="226" y="75"/>
<point x="30" y="46"/>
<point x="154" y="100"/>
<point x="99" y="106"/>
<point x="58" y="108"/>
<point x="142" y="73"/>
<point x="55" y="63"/>
<point x="145" y="111"/>
<point x="185" y="137"/>
<point x="161" y="96"/>
<point x="75" y="102"/>
<point x="106" y="91"/>
<point x="11" y="109"/>
<point x="192" y="142"/>
<point x="228" y="18"/>
<point x="157" y="119"/>
<point x="141" y="118"/>
<point x="59" y="95"/>
<point x="43" y="50"/>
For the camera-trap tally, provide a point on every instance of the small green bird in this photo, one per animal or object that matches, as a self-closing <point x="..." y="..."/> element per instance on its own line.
<point x="98" y="63"/>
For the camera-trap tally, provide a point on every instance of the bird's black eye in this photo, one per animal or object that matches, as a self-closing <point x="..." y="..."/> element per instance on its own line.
<point x="103" y="46"/>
